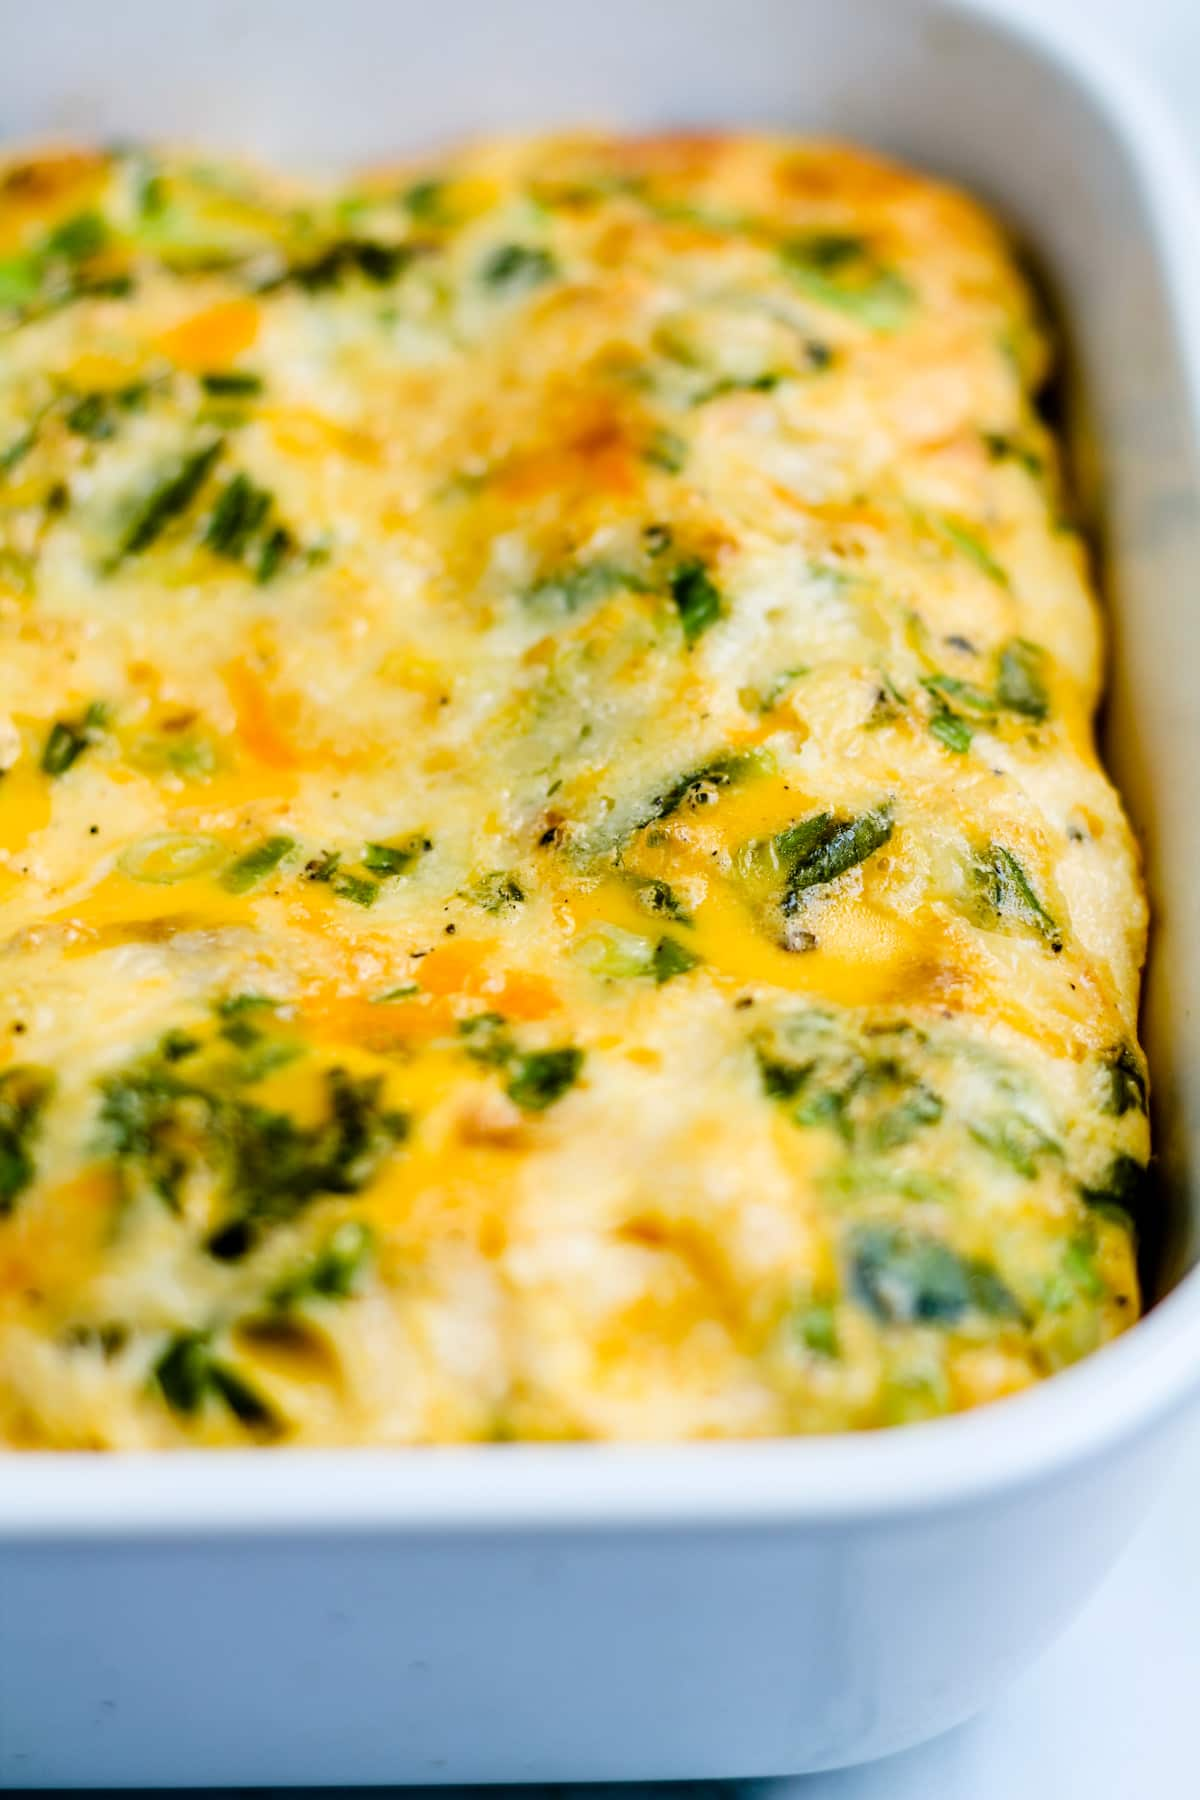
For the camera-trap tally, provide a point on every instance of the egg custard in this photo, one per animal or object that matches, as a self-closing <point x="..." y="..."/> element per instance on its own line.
<point x="555" y="881"/>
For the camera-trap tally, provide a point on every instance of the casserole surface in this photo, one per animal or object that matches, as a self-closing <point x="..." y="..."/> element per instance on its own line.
<point x="556" y="879"/>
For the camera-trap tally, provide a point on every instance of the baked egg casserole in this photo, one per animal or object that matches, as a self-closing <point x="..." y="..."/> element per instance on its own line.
<point x="554" y="876"/>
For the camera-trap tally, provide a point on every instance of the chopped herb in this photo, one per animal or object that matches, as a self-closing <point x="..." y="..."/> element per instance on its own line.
<point x="1002" y="448"/>
<point x="91" y="417"/>
<point x="659" y="898"/>
<point x="69" y="738"/>
<point x="541" y="1077"/>
<point x="497" y="892"/>
<point x="77" y="238"/>
<point x="1020" y="687"/>
<point x="1123" y="1185"/>
<point x="396" y="859"/>
<point x="334" y="1272"/>
<point x="1006" y="894"/>
<point x="188" y="1375"/>
<point x="968" y="542"/>
<point x="356" y="888"/>
<point x="951" y="730"/>
<point x="24" y="1093"/>
<point x="377" y="262"/>
<point x="815" y="1325"/>
<point x="515" y="268"/>
<point x="699" y="788"/>
<point x="907" y="1277"/>
<point x="277" y="547"/>
<point x="15" y="452"/>
<point x="240" y="511"/>
<point x="671" y="958"/>
<point x="920" y="1107"/>
<point x="697" y="600"/>
<point x="169" y="856"/>
<point x="425" y="200"/>
<point x="842" y="271"/>
<point x="408" y="990"/>
<point x="20" y="280"/>
<point x="573" y="589"/>
<point x="346" y="885"/>
<point x="487" y="1039"/>
<point x="1014" y="1140"/>
<point x="165" y="502"/>
<point x="1124" y="1081"/>
<point x="667" y="451"/>
<point x="975" y="699"/>
<point x="232" y="383"/>
<point x="254" y="865"/>
<point x="820" y="849"/>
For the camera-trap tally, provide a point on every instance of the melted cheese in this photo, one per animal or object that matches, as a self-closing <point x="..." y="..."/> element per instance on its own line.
<point x="554" y="879"/>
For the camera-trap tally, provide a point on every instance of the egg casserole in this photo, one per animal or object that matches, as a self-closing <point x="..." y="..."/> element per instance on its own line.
<point x="555" y="881"/>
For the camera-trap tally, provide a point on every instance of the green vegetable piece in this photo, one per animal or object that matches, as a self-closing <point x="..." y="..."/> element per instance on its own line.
<point x="572" y="590"/>
<point x="969" y="544"/>
<point x="498" y="892"/>
<point x="951" y="731"/>
<point x="842" y="271"/>
<point x="376" y="262"/>
<point x="335" y="1272"/>
<point x="182" y="1372"/>
<point x="240" y="511"/>
<point x="69" y="738"/>
<point x="902" y="1122"/>
<point x="165" y="502"/>
<point x="698" y="788"/>
<point x="1016" y="1141"/>
<point x="1008" y="895"/>
<point x="660" y="899"/>
<point x="907" y="1277"/>
<point x="425" y="200"/>
<point x="91" y="417"/>
<point x="188" y="1375"/>
<point x="233" y="384"/>
<point x="348" y="886"/>
<point x="1124" y="1081"/>
<point x="18" y="450"/>
<point x="540" y="1077"/>
<point x="671" y="958"/>
<point x="667" y="451"/>
<point x="975" y="699"/>
<point x="77" y="238"/>
<point x="275" y="551"/>
<point x="254" y="865"/>
<point x="396" y="859"/>
<point x="815" y="1325"/>
<point x="517" y="268"/>
<point x="841" y="845"/>
<point x="1020" y="687"/>
<point x="697" y="600"/>
<point x="170" y="856"/>
<point x="277" y="1167"/>
<point x="487" y="1039"/>
<point x="20" y="280"/>
<point x="24" y="1093"/>
<point x="1124" y="1185"/>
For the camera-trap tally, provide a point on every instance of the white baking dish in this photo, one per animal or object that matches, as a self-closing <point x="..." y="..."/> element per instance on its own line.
<point x="534" y="1614"/>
